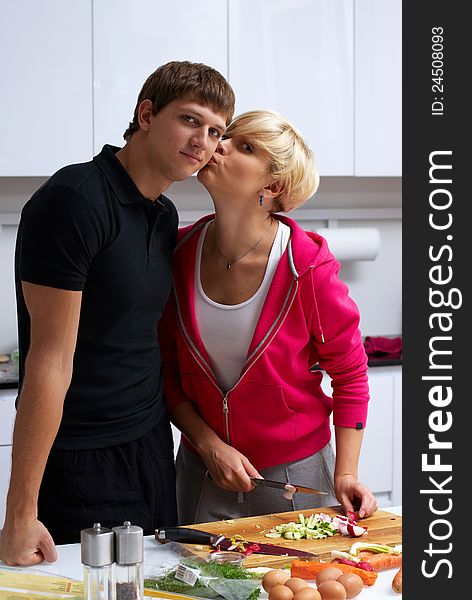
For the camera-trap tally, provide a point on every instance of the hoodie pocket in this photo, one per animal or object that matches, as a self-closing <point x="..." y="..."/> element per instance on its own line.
<point x="259" y="415"/>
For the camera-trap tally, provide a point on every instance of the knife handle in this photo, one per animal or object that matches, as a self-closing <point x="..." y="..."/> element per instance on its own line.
<point x="185" y="535"/>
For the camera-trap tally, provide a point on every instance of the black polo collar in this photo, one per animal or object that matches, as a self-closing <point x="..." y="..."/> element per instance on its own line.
<point x="124" y="187"/>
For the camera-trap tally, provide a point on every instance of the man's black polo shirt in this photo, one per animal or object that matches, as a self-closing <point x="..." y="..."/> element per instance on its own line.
<point x="89" y="228"/>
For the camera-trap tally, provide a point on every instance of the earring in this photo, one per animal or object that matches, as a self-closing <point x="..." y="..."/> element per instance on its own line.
<point x="260" y="200"/>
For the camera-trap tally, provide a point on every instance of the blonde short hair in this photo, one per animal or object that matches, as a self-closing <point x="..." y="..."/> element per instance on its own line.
<point x="290" y="159"/>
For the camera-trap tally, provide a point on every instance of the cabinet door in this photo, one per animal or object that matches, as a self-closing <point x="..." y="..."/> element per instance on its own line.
<point x="377" y="452"/>
<point x="7" y="419"/>
<point x="378" y="75"/>
<point x="131" y="38"/>
<point x="46" y="78"/>
<point x="397" y="440"/>
<point x="7" y="415"/>
<point x="376" y="460"/>
<point x="5" y="466"/>
<point x="297" y="58"/>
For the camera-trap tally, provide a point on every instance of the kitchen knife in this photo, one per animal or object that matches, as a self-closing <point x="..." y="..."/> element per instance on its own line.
<point x="282" y="485"/>
<point x="186" y="535"/>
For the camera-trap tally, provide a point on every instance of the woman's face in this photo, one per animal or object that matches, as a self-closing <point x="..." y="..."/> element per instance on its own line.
<point x="236" y="166"/>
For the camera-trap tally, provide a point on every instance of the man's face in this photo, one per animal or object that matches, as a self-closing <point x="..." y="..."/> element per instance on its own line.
<point x="182" y="137"/>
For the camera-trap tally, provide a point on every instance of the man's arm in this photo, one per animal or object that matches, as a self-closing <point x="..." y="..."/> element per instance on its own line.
<point x="54" y="316"/>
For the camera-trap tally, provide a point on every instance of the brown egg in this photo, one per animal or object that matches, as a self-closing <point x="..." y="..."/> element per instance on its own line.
<point x="332" y="590"/>
<point x="352" y="583"/>
<point x="274" y="577"/>
<point x="328" y="574"/>
<point x="280" y="592"/>
<point x="296" y="584"/>
<point x="307" y="593"/>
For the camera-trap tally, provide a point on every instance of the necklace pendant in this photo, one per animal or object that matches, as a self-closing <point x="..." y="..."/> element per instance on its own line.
<point x="228" y="265"/>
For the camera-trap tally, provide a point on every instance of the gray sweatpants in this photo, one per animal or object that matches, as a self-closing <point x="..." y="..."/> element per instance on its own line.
<point x="200" y="500"/>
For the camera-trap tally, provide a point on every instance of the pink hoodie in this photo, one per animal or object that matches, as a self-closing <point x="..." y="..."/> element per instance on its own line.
<point x="276" y="412"/>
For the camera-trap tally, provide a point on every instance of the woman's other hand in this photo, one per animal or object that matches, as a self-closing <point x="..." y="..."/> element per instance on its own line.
<point x="354" y="497"/>
<point x="229" y="468"/>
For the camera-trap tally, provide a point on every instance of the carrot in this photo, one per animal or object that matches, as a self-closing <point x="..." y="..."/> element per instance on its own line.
<point x="310" y="569"/>
<point x="381" y="561"/>
<point x="397" y="584"/>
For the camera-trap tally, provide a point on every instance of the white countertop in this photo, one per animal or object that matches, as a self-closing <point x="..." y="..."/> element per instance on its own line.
<point x="68" y="564"/>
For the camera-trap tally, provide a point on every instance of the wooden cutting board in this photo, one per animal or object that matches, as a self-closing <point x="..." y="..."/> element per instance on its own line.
<point x="383" y="528"/>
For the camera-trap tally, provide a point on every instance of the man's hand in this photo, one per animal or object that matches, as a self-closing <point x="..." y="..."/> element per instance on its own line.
<point x="229" y="468"/>
<point x="26" y="544"/>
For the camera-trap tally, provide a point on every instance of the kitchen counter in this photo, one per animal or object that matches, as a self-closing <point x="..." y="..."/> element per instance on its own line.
<point x="68" y="564"/>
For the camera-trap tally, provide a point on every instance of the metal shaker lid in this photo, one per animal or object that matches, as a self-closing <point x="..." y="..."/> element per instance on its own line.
<point x="97" y="548"/>
<point x="129" y="544"/>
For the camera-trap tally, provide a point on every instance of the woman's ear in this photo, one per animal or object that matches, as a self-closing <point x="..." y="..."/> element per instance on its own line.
<point x="274" y="189"/>
<point x="145" y="114"/>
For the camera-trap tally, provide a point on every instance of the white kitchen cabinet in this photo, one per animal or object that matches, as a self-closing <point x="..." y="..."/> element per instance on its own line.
<point x="46" y="78"/>
<point x="131" y="38"/>
<point x="7" y="419"/>
<point x="297" y="58"/>
<point x="378" y="83"/>
<point x="380" y="464"/>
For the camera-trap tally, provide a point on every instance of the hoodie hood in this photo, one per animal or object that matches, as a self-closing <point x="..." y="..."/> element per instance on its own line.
<point x="306" y="249"/>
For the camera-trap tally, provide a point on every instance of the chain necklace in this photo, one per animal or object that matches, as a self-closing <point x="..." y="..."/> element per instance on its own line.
<point x="229" y="263"/>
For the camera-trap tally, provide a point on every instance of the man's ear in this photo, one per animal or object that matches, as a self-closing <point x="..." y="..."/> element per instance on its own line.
<point x="145" y="114"/>
<point x="274" y="189"/>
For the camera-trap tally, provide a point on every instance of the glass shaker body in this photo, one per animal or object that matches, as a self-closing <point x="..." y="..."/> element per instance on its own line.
<point x="97" y="556"/>
<point x="129" y="581"/>
<point x="129" y="555"/>
<point x="98" y="583"/>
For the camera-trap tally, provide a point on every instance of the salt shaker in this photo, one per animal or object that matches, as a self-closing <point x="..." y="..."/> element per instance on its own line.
<point x="129" y="552"/>
<point x="97" y="552"/>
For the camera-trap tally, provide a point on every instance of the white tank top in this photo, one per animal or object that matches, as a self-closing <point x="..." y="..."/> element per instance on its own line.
<point x="227" y="330"/>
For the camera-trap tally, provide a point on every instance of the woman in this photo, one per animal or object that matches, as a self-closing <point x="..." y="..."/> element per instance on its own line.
<point x="257" y="305"/>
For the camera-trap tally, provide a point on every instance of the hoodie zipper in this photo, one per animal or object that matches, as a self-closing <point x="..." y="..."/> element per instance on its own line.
<point x="226" y="414"/>
<point x="250" y="363"/>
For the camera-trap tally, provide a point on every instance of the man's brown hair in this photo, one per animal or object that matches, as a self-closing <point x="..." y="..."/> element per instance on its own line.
<point x="176" y="80"/>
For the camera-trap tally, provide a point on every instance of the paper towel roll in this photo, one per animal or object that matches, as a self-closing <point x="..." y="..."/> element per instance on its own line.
<point x="352" y="243"/>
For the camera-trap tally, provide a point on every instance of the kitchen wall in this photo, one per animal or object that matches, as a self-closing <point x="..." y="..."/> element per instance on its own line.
<point x="363" y="201"/>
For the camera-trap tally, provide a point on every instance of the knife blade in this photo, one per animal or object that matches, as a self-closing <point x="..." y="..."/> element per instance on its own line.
<point x="282" y="485"/>
<point x="186" y="535"/>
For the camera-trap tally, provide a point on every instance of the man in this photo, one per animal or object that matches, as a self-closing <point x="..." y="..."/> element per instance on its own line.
<point x="92" y="440"/>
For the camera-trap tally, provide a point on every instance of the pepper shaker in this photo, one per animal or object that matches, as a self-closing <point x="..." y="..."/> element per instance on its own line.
<point x="97" y="555"/>
<point x="129" y="552"/>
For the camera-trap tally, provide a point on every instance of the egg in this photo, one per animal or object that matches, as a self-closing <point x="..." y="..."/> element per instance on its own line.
<point x="328" y="574"/>
<point x="296" y="584"/>
<point x="280" y="592"/>
<point x="274" y="577"/>
<point x="307" y="593"/>
<point x="352" y="583"/>
<point x="332" y="590"/>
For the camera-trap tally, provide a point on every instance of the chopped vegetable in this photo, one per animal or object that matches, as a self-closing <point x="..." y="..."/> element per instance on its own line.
<point x="341" y="554"/>
<point x="239" y="544"/>
<point x="316" y="526"/>
<point x="358" y="546"/>
<point x="310" y="569"/>
<point x="360" y="565"/>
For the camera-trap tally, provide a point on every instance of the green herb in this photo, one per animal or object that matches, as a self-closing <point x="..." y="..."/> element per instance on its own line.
<point x="228" y="571"/>
<point x="255" y="594"/>
<point x="168" y="583"/>
<point x="222" y="571"/>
